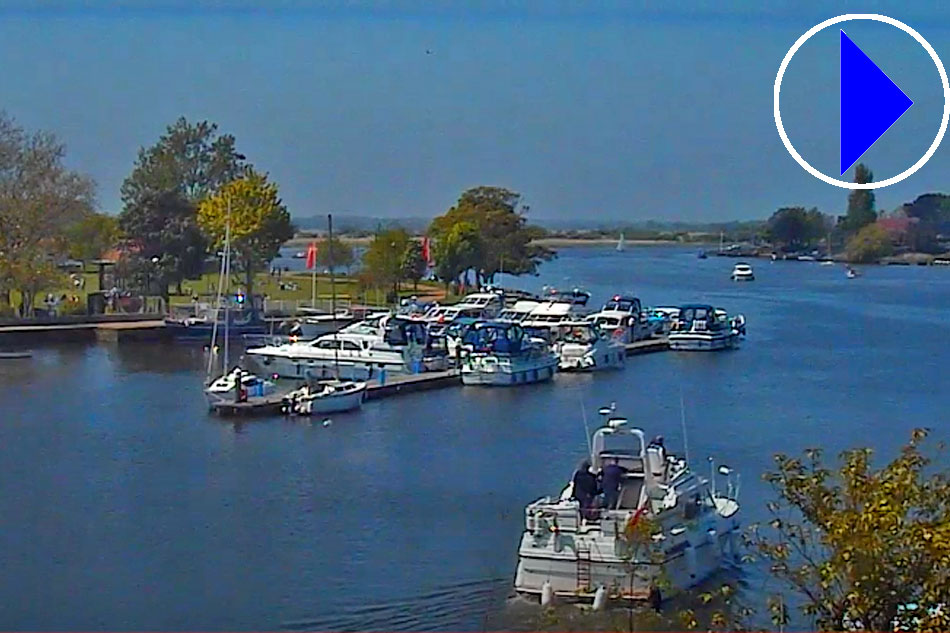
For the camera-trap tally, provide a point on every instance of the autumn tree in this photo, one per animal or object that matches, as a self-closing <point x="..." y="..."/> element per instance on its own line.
<point x="870" y="244"/>
<point x="382" y="261"/>
<point x="505" y="237"/>
<point x="259" y="222"/>
<point x="40" y="198"/>
<point x="188" y="163"/>
<point x="860" y="202"/>
<point x="861" y="548"/>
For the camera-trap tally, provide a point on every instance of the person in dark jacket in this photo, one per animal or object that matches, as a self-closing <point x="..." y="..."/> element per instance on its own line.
<point x="585" y="488"/>
<point x="612" y="478"/>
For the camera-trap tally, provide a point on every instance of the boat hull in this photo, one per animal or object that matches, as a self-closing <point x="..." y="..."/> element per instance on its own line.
<point x="334" y="403"/>
<point x="486" y="371"/>
<point x="608" y="359"/>
<point x="703" y="342"/>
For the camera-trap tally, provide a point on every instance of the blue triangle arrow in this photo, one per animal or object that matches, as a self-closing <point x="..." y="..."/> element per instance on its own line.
<point x="870" y="103"/>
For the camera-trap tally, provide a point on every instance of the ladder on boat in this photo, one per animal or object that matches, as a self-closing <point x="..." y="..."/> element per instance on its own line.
<point x="582" y="550"/>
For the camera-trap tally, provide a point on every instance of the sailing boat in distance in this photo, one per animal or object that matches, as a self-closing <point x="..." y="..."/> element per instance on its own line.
<point x="620" y="244"/>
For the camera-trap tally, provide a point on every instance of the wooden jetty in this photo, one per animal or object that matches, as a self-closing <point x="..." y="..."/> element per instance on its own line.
<point x="414" y="382"/>
<point x="114" y="330"/>
<point x="257" y="405"/>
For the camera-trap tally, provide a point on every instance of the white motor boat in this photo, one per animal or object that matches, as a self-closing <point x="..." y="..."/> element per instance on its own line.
<point x="331" y="396"/>
<point x="703" y="328"/>
<point x="223" y="388"/>
<point x="624" y="319"/>
<point x="356" y="352"/>
<point x="518" y="312"/>
<point x="742" y="272"/>
<point x="581" y="346"/>
<point x="500" y="353"/>
<point x="852" y="273"/>
<point x="558" y="307"/>
<point x="316" y="323"/>
<point x="665" y="527"/>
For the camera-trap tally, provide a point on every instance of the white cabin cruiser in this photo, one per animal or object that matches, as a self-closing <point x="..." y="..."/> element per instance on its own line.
<point x="518" y="312"/>
<point x="666" y="526"/>
<point x="623" y="318"/>
<point x="500" y="353"/>
<point x="357" y="352"/>
<point x="581" y="346"/>
<point x="558" y="307"/>
<point x="332" y="396"/>
<point x="704" y="328"/>
<point x="742" y="272"/>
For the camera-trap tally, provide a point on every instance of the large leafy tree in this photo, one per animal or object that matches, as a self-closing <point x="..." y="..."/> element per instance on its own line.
<point x="858" y="545"/>
<point x="342" y="254"/>
<point x="457" y="250"/>
<point x="861" y="210"/>
<point x="40" y="198"/>
<point x="188" y="163"/>
<point x="506" y="239"/>
<point x="382" y="261"/>
<point x="165" y="245"/>
<point x="796" y="227"/>
<point x="259" y="222"/>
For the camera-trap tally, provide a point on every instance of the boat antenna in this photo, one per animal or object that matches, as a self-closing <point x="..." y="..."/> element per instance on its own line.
<point x="590" y="448"/>
<point x="683" y="423"/>
<point x="336" y="346"/>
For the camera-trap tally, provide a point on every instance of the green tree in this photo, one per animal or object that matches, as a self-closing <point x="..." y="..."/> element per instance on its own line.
<point x="457" y="250"/>
<point x="191" y="159"/>
<point x="382" y="261"/>
<point x="259" y="222"/>
<point x="860" y="202"/>
<point x="858" y="545"/>
<point x="40" y="198"/>
<point x="190" y="162"/>
<point x="506" y="239"/>
<point x="413" y="265"/>
<point x="92" y="235"/>
<point x="795" y="228"/>
<point x="164" y="244"/>
<point x="343" y="256"/>
<point x="870" y="244"/>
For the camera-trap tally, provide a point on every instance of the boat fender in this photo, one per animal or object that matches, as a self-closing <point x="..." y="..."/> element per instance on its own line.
<point x="690" y="554"/>
<point x="600" y="598"/>
<point x="547" y="594"/>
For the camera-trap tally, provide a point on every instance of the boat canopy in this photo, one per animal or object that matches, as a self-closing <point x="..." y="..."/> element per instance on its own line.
<point x="495" y="336"/>
<point x="622" y="303"/>
<point x="628" y="445"/>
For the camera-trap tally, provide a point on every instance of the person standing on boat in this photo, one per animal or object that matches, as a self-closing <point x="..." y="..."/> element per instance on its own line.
<point x="611" y="478"/>
<point x="585" y="489"/>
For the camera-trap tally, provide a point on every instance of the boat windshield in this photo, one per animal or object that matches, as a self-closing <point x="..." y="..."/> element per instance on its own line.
<point x="620" y="306"/>
<point x="494" y="338"/>
<point x="578" y="334"/>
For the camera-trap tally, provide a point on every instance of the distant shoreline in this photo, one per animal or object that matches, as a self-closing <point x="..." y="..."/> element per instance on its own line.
<point x="552" y="242"/>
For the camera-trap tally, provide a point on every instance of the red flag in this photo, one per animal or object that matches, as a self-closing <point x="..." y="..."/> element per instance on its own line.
<point x="426" y="252"/>
<point x="312" y="256"/>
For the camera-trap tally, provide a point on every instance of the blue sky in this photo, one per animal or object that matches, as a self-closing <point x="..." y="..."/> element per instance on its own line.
<point x="627" y="112"/>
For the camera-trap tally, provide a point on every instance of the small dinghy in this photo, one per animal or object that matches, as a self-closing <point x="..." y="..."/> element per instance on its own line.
<point x="15" y="355"/>
<point x="332" y="396"/>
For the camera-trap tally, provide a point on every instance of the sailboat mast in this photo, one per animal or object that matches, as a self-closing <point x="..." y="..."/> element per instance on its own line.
<point x="227" y="286"/>
<point x="336" y="350"/>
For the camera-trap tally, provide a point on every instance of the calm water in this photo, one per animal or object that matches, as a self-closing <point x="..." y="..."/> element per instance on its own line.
<point x="123" y="505"/>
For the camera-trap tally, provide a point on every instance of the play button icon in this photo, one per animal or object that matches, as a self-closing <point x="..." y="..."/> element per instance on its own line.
<point x="870" y="103"/>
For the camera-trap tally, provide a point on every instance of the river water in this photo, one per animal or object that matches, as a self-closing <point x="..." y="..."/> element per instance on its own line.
<point x="123" y="505"/>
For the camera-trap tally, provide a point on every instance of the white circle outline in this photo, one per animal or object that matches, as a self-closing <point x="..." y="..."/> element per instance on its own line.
<point x="943" y="79"/>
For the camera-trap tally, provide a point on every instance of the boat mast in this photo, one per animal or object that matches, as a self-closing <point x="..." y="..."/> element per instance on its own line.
<point x="223" y="276"/>
<point x="336" y="346"/>
<point x="227" y="286"/>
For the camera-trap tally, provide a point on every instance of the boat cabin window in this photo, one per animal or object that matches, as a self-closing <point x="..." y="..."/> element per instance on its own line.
<point x="350" y="346"/>
<point x="327" y="344"/>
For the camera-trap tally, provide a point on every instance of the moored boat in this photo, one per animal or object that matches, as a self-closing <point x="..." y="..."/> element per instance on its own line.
<point x="703" y="328"/>
<point x="238" y="385"/>
<point x="624" y="319"/>
<point x="742" y="272"/>
<point x="332" y="396"/>
<point x="500" y="353"/>
<point x="658" y="524"/>
<point x="581" y="346"/>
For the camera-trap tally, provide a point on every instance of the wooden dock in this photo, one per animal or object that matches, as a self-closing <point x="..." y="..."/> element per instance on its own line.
<point x="136" y="329"/>
<point x="414" y="382"/>
<point x="265" y="405"/>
